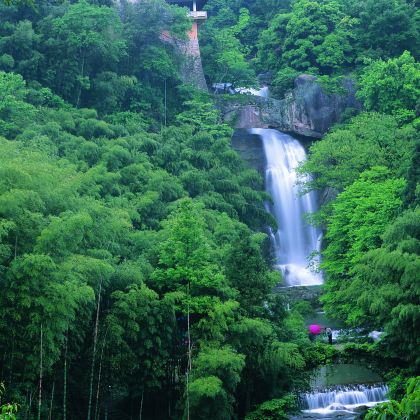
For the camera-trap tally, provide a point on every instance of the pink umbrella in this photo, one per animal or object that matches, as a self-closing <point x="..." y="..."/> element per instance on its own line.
<point x="315" y="329"/>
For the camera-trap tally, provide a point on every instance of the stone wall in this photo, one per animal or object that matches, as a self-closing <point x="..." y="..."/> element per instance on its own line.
<point x="192" y="68"/>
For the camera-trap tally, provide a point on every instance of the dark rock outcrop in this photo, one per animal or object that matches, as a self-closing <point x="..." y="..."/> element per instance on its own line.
<point x="250" y="148"/>
<point x="308" y="110"/>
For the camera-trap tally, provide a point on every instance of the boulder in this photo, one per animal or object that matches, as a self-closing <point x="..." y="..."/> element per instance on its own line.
<point x="310" y="111"/>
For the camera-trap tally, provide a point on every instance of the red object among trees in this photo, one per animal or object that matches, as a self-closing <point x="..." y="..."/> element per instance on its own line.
<point x="315" y="329"/>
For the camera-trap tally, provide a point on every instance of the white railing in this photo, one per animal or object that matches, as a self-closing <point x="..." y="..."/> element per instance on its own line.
<point x="198" y="15"/>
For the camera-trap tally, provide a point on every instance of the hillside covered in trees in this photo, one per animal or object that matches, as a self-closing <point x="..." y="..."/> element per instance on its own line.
<point x="135" y="275"/>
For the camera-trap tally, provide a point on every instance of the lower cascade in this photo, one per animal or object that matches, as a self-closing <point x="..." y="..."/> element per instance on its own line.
<point x="344" y="398"/>
<point x="295" y="240"/>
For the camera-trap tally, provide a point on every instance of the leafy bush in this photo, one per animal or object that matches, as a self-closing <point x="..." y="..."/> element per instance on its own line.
<point x="277" y="409"/>
<point x="7" y="411"/>
<point x="283" y="81"/>
<point x="392" y="87"/>
<point x="407" y="409"/>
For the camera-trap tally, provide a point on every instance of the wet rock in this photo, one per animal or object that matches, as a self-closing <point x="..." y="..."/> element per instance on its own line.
<point x="311" y="111"/>
<point x="328" y="194"/>
<point x="361" y="412"/>
<point x="250" y="148"/>
<point x="265" y="78"/>
<point x="304" y="79"/>
<point x="298" y="293"/>
<point x="308" y="110"/>
<point x="246" y="116"/>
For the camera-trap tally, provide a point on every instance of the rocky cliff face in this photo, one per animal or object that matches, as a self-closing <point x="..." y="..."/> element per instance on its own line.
<point x="308" y="110"/>
<point x="250" y="148"/>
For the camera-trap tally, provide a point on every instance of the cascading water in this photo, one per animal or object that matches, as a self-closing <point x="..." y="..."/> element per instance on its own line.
<point x="263" y="92"/>
<point x="295" y="240"/>
<point x="344" y="399"/>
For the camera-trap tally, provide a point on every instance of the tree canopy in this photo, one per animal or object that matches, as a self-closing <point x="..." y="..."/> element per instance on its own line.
<point x="134" y="268"/>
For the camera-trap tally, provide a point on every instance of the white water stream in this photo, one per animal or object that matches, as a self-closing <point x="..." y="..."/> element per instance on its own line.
<point x="295" y="240"/>
<point x="345" y="399"/>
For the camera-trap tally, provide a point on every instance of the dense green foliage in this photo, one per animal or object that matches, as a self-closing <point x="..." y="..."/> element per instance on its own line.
<point x="390" y="293"/>
<point x="228" y="37"/>
<point x="98" y="235"/>
<point x="392" y="87"/>
<point x="321" y="37"/>
<point x="7" y="411"/>
<point x="277" y="409"/>
<point x="407" y="408"/>
<point x="95" y="56"/>
<point x="122" y="241"/>
<point x="368" y="140"/>
<point x="369" y="167"/>
<point x="228" y="56"/>
<point x="133" y="277"/>
<point x="359" y="215"/>
<point x="372" y="253"/>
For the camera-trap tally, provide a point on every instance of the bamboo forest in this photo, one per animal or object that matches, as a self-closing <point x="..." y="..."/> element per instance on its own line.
<point x="209" y="209"/>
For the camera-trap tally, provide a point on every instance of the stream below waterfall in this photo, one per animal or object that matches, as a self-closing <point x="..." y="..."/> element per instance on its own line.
<point x="342" y="391"/>
<point x="342" y="401"/>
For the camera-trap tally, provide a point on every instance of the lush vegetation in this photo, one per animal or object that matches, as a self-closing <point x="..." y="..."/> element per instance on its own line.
<point x="95" y="56"/>
<point x="408" y="408"/>
<point x="132" y="266"/>
<point x="321" y="37"/>
<point x="371" y="257"/>
<point x="122" y="238"/>
<point x="122" y="260"/>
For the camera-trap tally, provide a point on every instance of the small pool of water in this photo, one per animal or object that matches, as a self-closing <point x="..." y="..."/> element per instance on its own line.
<point x="344" y="374"/>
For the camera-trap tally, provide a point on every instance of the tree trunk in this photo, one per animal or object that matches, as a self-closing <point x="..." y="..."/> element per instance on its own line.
<point x="30" y="405"/>
<point x="141" y="405"/>
<point x="40" y="379"/>
<point x="65" y="380"/>
<point x="51" y="403"/>
<point x="189" y="351"/>
<point x="188" y="396"/>
<point x="107" y="403"/>
<point x="99" y="377"/>
<point x="79" y="90"/>
<point x="95" y="339"/>
<point x="11" y="360"/>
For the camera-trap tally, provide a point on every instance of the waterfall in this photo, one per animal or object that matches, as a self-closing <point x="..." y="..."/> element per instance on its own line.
<point x="344" y="398"/>
<point x="263" y="92"/>
<point x="295" y="239"/>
